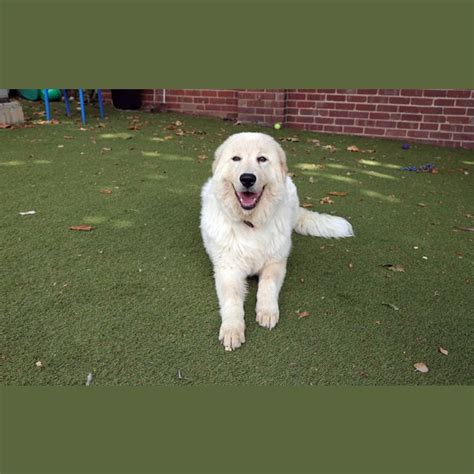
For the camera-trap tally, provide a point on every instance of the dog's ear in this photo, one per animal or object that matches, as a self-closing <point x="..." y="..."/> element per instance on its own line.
<point x="282" y="159"/>
<point x="217" y="157"/>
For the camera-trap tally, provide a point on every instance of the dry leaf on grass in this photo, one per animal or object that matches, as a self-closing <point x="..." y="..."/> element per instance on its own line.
<point x="350" y="265"/>
<point x="201" y="158"/>
<point x="39" y="364"/>
<point x="422" y="204"/>
<point x="306" y="205"/>
<point x="106" y="191"/>
<point x="289" y="139"/>
<point x="393" y="268"/>
<point x="303" y="314"/>
<point x="326" y="200"/>
<point x="314" y="141"/>
<point x="465" y="229"/>
<point x="353" y="148"/>
<point x="5" y="125"/>
<point x="82" y="227"/>
<point x="331" y="148"/>
<point x="391" y="305"/>
<point x="443" y="350"/>
<point x="338" y="193"/>
<point x="421" y="367"/>
<point x="46" y="122"/>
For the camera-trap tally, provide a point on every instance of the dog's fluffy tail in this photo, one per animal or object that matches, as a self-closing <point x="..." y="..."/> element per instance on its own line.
<point x="322" y="225"/>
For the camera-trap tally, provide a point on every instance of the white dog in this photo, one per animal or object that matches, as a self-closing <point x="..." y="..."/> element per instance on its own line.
<point x="249" y="209"/>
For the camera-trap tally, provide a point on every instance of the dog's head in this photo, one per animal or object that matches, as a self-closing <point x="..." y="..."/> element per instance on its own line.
<point x="250" y="172"/>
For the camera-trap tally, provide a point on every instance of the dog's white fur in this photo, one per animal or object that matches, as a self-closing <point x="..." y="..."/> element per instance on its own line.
<point x="243" y="242"/>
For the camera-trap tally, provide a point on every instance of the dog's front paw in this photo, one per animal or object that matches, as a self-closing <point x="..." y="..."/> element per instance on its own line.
<point x="267" y="317"/>
<point x="232" y="334"/>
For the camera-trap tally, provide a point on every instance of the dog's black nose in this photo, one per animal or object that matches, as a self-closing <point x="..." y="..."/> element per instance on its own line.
<point x="248" y="179"/>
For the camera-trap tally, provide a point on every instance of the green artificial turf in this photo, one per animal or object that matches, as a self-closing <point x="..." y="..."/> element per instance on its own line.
<point x="133" y="301"/>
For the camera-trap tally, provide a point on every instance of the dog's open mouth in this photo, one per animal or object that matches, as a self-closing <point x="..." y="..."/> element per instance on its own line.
<point x="248" y="200"/>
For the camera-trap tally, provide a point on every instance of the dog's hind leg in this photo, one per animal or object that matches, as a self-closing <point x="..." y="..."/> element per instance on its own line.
<point x="269" y="284"/>
<point x="231" y="287"/>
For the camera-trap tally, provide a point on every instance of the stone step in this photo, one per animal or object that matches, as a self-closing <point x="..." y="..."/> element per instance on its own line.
<point x="11" y="113"/>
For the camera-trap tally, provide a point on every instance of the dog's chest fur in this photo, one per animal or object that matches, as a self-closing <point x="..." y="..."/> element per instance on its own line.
<point x="235" y="243"/>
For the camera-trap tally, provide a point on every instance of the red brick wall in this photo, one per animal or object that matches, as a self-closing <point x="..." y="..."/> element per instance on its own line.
<point x="443" y="116"/>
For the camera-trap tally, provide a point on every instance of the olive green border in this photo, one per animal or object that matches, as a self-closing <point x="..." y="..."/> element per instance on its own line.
<point x="237" y="44"/>
<point x="236" y="429"/>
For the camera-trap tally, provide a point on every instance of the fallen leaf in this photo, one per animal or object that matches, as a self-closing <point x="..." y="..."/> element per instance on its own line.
<point x="394" y="268"/>
<point x="306" y="205"/>
<point x="82" y="227"/>
<point x="6" y="125"/>
<point x="421" y="367"/>
<point x="106" y="191"/>
<point x="368" y="151"/>
<point x="469" y="216"/>
<point x="27" y="213"/>
<point x="338" y="193"/>
<point x="82" y="129"/>
<point x="60" y="146"/>
<point x="179" y="132"/>
<point x="443" y="350"/>
<point x="178" y="123"/>
<point x="289" y="139"/>
<point x="46" y="122"/>
<point x="238" y="122"/>
<point x="39" y="364"/>
<point x="303" y="314"/>
<point x="301" y="280"/>
<point x="391" y="305"/>
<point x="311" y="180"/>
<point x="68" y="137"/>
<point x="331" y="148"/>
<point x="465" y="229"/>
<point x="350" y="265"/>
<point x="422" y="204"/>
<point x="169" y="137"/>
<point x="201" y="158"/>
<point x="292" y="175"/>
<point x="326" y="200"/>
<point x="353" y="148"/>
<point x="106" y="149"/>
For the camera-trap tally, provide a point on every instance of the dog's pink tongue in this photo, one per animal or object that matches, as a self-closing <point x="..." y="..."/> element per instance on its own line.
<point x="248" y="199"/>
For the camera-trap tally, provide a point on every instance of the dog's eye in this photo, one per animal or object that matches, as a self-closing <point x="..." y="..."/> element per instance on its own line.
<point x="262" y="159"/>
<point x="236" y="158"/>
